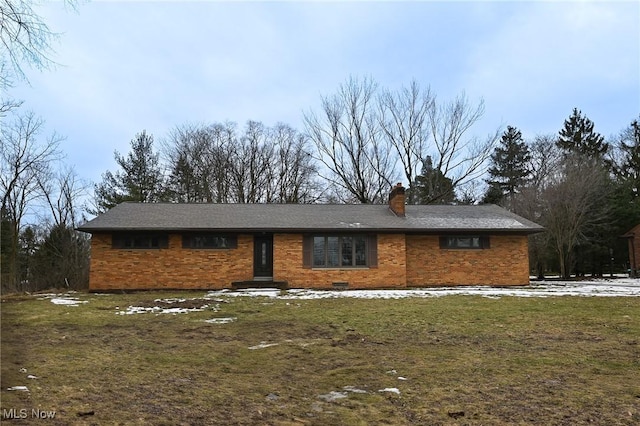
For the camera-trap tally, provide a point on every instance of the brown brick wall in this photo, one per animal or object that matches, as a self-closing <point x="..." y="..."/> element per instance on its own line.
<point x="174" y="267"/>
<point x="391" y="270"/>
<point x="402" y="261"/>
<point x="506" y="262"/>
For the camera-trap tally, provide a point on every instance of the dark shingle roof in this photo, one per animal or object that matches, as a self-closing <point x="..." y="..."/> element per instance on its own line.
<point x="306" y="218"/>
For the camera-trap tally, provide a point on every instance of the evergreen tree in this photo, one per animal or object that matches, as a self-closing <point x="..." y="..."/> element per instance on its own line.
<point x="140" y="179"/>
<point x="509" y="171"/>
<point x="625" y="202"/>
<point x="60" y="260"/>
<point x="183" y="183"/>
<point x="431" y="186"/>
<point x="494" y="194"/>
<point x="629" y="170"/>
<point x="7" y="251"/>
<point x="578" y="136"/>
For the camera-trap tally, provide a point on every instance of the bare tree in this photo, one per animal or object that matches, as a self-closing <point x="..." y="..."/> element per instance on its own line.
<point x="293" y="169"/>
<point x="360" y="143"/>
<point x="25" y="159"/>
<point x="404" y="122"/>
<point x="573" y="204"/>
<point x="349" y="145"/>
<point x="62" y="192"/>
<point x="199" y="158"/>
<point x="217" y="159"/>
<point x="545" y="161"/>
<point x="213" y="163"/>
<point x="249" y="165"/>
<point x="61" y="257"/>
<point x="25" y="39"/>
<point x="458" y="156"/>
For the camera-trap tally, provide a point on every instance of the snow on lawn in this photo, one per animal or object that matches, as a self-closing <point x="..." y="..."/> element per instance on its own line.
<point x="225" y="320"/>
<point x="263" y="345"/>
<point x="173" y="306"/>
<point x="66" y="299"/>
<point x="159" y="310"/>
<point x="392" y="390"/>
<point x="596" y="287"/>
<point x="336" y="395"/>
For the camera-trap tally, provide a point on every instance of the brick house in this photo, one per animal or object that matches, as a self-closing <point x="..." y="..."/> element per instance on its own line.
<point x="633" y="237"/>
<point x="215" y="246"/>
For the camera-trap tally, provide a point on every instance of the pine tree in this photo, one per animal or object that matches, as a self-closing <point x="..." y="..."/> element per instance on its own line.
<point x="183" y="185"/>
<point x="494" y="194"/>
<point x="509" y="170"/>
<point x="578" y="136"/>
<point x="629" y="172"/>
<point x="431" y="186"/>
<point x="141" y="178"/>
<point x="625" y="201"/>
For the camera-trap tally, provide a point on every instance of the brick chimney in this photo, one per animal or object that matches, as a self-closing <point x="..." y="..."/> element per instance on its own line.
<point x="397" y="199"/>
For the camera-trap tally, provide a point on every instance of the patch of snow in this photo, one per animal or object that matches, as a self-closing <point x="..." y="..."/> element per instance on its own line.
<point x="31" y="376"/>
<point x="333" y="396"/>
<point x="46" y="296"/>
<point x="68" y="301"/>
<point x="354" y="389"/>
<point x="392" y="390"/>
<point x="61" y="298"/>
<point x="18" y="388"/>
<point x="226" y="320"/>
<point x="159" y="310"/>
<point x="171" y="300"/>
<point x="603" y="287"/>
<point x="263" y="345"/>
<point x="402" y="378"/>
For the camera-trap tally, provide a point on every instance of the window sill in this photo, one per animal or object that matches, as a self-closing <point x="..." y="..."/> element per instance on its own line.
<point x="206" y="249"/>
<point x="139" y="248"/>
<point x="341" y="268"/>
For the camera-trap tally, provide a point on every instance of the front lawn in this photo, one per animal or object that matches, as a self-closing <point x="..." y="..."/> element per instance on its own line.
<point x="130" y="359"/>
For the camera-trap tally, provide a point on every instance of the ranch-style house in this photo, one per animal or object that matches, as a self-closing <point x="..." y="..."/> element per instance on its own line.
<point x="137" y="246"/>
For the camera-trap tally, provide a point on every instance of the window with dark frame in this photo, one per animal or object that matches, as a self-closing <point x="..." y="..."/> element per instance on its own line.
<point x="209" y="241"/>
<point x="152" y="241"/>
<point x="347" y="251"/>
<point x="464" y="242"/>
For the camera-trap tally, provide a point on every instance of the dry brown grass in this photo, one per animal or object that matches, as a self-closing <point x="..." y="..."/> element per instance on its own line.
<point x="466" y="360"/>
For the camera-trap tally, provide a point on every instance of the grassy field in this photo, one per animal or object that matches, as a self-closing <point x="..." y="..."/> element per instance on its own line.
<point x="452" y="360"/>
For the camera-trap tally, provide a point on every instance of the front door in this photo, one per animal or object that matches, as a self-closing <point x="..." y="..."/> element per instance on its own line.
<point x="263" y="257"/>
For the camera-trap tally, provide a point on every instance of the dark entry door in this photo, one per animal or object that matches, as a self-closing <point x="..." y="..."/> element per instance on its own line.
<point x="263" y="257"/>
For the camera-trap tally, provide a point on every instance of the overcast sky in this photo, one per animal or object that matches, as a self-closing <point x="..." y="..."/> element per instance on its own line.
<point x="129" y="66"/>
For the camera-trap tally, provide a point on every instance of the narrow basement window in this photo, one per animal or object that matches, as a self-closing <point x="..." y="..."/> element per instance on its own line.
<point x="146" y="240"/>
<point x="464" y="242"/>
<point x="209" y="241"/>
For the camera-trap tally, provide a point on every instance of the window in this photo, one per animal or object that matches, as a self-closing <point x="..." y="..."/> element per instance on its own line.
<point x="470" y="242"/>
<point x="346" y="251"/>
<point x="209" y="241"/>
<point x="145" y="240"/>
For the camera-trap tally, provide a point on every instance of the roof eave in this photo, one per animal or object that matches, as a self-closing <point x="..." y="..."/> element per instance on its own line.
<point x="526" y="231"/>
